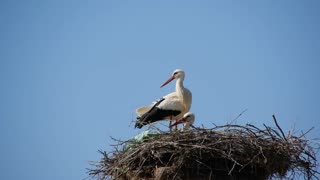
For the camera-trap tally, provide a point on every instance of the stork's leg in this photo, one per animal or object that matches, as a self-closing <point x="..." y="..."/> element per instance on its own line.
<point x="170" y="124"/>
<point x="176" y="126"/>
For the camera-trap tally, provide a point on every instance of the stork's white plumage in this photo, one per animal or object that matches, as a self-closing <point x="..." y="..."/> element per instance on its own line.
<point x="171" y="107"/>
<point x="187" y="120"/>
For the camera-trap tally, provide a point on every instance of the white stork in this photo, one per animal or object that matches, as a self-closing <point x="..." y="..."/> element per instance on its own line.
<point x="171" y="107"/>
<point x="187" y="120"/>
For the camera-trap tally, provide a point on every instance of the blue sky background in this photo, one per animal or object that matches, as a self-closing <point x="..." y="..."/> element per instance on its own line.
<point x="73" y="72"/>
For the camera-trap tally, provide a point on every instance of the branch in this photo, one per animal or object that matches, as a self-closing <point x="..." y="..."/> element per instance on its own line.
<point x="275" y="121"/>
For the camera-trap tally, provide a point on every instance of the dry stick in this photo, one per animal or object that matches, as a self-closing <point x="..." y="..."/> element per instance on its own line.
<point x="306" y="132"/>
<point x="234" y="165"/>
<point x="204" y="164"/>
<point x="273" y="130"/>
<point x="256" y="128"/>
<point x="120" y="142"/>
<point x="238" y="116"/>
<point x="154" y="127"/>
<point x="269" y="133"/>
<point x="132" y="120"/>
<point x="275" y="121"/>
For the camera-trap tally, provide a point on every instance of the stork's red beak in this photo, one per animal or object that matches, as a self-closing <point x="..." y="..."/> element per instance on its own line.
<point x="180" y="121"/>
<point x="167" y="82"/>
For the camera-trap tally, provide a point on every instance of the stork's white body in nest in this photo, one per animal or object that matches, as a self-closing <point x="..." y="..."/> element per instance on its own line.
<point x="187" y="120"/>
<point x="171" y="107"/>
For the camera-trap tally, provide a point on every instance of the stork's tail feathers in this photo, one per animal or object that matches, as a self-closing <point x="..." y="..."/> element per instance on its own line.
<point x="140" y="111"/>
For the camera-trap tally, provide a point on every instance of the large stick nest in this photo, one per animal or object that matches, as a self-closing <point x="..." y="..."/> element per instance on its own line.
<point x="223" y="152"/>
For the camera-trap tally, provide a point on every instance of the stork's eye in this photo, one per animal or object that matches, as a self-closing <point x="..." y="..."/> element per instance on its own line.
<point x="188" y="116"/>
<point x="175" y="73"/>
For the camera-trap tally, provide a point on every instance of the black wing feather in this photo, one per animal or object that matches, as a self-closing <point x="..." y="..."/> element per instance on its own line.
<point x="155" y="114"/>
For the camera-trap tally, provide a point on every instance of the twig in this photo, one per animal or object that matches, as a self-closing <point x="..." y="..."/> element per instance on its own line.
<point x="303" y="134"/>
<point x="275" y="121"/>
<point x="238" y="116"/>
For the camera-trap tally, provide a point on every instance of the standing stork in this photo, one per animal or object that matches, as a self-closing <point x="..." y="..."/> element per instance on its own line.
<point x="171" y="107"/>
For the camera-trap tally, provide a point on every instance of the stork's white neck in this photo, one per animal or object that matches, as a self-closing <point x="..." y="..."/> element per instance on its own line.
<point x="184" y="94"/>
<point x="180" y="88"/>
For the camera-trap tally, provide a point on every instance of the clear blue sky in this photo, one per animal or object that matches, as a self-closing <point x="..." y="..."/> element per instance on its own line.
<point x="73" y="72"/>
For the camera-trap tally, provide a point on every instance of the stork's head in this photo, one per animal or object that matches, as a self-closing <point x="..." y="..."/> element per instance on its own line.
<point x="177" y="74"/>
<point x="188" y="120"/>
